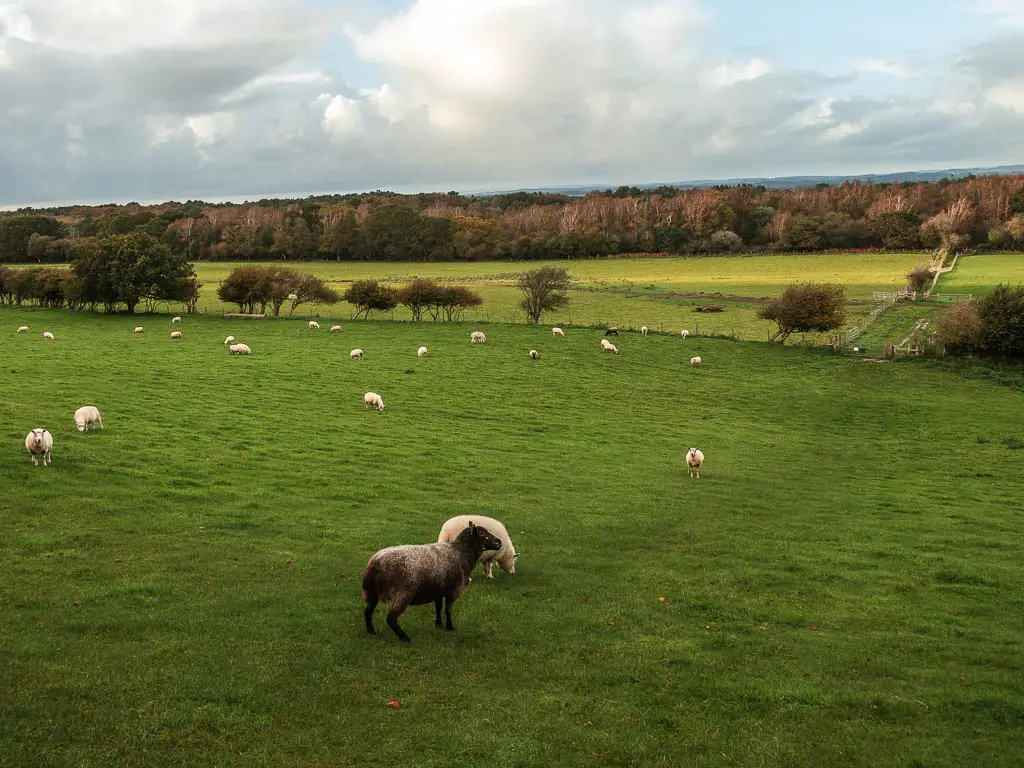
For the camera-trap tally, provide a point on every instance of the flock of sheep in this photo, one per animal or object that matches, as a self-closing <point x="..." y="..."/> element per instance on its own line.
<point x="410" y="574"/>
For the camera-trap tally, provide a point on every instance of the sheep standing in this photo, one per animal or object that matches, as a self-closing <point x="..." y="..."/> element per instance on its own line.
<point x="335" y="328"/>
<point x="607" y="346"/>
<point x="239" y="349"/>
<point x="229" y="340"/>
<point x="138" y="329"/>
<point x="694" y="461"/>
<point x="39" y="443"/>
<point x="643" y="330"/>
<point x="477" y="337"/>
<point x="314" y="325"/>
<point x="23" y="329"/>
<point x="175" y="334"/>
<point x="605" y="343"/>
<point x="417" y="574"/>
<point x="557" y="332"/>
<point x="47" y="336"/>
<point x="505" y="557"/>
<point x="684" y="333"/>
<point x="533" y="354"/>
<point x="373" y="400"/>
<point x="355" y="354"/>
<point x="88" y="416"/>
<point x="421" y="352"/>
<point x="613" y="331"/>
<point x="695" y="361"/>
<point x="175" y="319"/>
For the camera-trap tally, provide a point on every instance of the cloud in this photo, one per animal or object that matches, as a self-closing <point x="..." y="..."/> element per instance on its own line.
<point x="115" y="99"/>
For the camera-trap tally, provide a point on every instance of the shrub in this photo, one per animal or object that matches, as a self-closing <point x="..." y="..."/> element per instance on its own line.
<point x="369" y="295"/>
<point x="804" y="308"/>
<point x="1002" y="322"/>
<point x="725" y="240"/>
<point x="919" y="277"/>
<point x="959" y="330"/>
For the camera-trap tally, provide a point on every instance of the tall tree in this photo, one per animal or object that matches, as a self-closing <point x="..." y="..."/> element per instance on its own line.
<point x="543" y="289"/>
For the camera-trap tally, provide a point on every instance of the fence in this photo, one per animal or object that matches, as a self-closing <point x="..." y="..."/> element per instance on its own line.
<point x="952" y="298"/>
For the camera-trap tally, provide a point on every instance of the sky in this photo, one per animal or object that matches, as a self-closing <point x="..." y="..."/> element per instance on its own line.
<point x="150" y="100"/>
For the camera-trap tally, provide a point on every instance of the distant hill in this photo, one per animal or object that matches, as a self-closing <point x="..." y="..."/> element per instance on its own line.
<point x="783" y="182"/>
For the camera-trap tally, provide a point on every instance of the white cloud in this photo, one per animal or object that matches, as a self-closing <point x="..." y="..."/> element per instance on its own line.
<point x="1008" y="94"/>
<point x="889" y="67"/>
<point x="1006" y="11"/>
<point x="211" y="129"/>
<point x="725" y="75"/>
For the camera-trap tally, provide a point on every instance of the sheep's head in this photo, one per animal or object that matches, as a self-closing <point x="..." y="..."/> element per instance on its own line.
<point x="37" y="438"/>
<point x="481" y="538"/>
<point x="80" y="425"/>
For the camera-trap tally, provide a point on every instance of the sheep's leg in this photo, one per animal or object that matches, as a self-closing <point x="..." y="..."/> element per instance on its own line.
<point x="371" y="605"/>
<point x="393" y="623"/>
<point x="35" y="462"/>
<point x="448" y="613"/>
<point x="437" y="613"/>
<point x="489" y="569"/>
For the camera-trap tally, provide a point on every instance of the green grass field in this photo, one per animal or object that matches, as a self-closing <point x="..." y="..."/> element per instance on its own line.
<point x="980" y="273"/>
<point x="843" y="587"/>
<point x="629" y="293"/>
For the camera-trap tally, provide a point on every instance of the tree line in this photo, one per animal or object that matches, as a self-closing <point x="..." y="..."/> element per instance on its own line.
<point x="980" y="212"/>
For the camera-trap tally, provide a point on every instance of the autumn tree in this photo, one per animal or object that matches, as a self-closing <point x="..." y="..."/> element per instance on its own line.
<point x="418" y="296"/>
<point x="369" y="295"/>
<point x="805" y="308"/>
<point x="543" y="289"/>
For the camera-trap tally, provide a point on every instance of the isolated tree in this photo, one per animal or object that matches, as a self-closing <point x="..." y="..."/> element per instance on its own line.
<point x="246" y="287"/>
<point x="543" y="289"/>
<point x="453" y="300"/>
<point x="804" y="308"/>
<point x="369" y="295"/>
<point x="418" y="296"/>
<point x="920" y="276"/>
<point x="312" y="290"/>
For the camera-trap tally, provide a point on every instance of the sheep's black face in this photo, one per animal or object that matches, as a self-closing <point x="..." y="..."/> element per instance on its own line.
<point x="487" y="539"/>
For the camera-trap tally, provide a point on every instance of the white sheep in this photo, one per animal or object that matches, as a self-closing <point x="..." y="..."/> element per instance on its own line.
<point x="605" y="343"/>
<point x="229" y="340"/>
<point x="335" y="328"/>
<point x="138" y="329"/>
<point x="175" y="334"/>
<point x="695" y="361"/>
<point x="87" y="416"/>
<point x="23" y="329"/>
<point x="175" y="319"/>
<point x="39" y="443"/>
<point x="373" y="400"/>
<point x="48" y="336"/>
<point x="314" y="325"/>
<point x="355" y="354"/>
<point x="533" y="354"/>
<point x="684" y="333"/>
<point x="643" y="330"/>
<point x="421" y="352"/>
<point x="694" y="460"/>
<point x="612" y="348"/>
<point x="505" y="557"/>
<point x="557" y="332"/>
<point x="239" y="349"/>
<point x="477" y="337"/>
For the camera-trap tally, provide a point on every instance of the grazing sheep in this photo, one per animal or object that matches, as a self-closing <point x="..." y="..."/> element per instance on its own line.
<point x="505" y="557"/>
<point x="23" y="329"/>
<point x="477" y="337"/>
<point x="229" y="340"/>
<point x="611" y="348"/>
<point x="39" y="443"/>
<point x="643" y="330"/>
<point x="355" y="354"/>
<point x="605" y="343"/>
<point x="557" y="332"/>
<point x="694" y="460"/>
<point x="314" y="325"/>
<point x="175" y="334"/>
<point x="87" y="416"/>
<point x="48" y="336"/>
<point x="138" y="329"/>
<point x="613" y="331"/>
<point x="239" y="349"/>
<point x="416" y="574"/>
<point x="684" y="333"/>
<point x="373" y="400"/>
<point x="335" y="328"/>
<point x="533" y="354"/>
<point x="695" y="361"/>
<point x="175" y="319"/>
<point x="421" y="352"/>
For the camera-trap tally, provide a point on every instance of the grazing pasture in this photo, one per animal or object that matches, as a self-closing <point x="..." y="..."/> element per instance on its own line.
<point x="981" y="272"/>
<point x="842" y="586"/>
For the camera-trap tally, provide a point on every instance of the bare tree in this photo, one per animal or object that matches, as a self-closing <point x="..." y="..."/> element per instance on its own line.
<point x="543" y="289"/>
